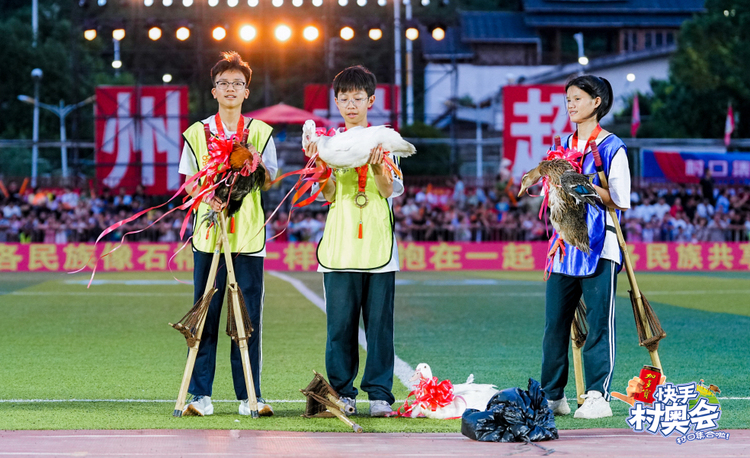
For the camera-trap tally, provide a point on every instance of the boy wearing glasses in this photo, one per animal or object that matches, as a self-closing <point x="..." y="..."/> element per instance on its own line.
<point x="358" y="256"/>
<point x="230" y="77"/>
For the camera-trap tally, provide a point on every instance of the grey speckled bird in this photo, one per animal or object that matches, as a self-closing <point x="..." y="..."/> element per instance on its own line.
<point x="568" y="192"/>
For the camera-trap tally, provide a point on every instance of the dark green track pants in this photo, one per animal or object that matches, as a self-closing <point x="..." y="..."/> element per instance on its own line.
<point x="563" y="293"/>
<point x="347" y="294"/>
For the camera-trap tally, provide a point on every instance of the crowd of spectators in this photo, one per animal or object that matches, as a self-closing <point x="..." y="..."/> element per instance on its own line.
<point x="66" y="215"/>
<point x="453" y="212"/>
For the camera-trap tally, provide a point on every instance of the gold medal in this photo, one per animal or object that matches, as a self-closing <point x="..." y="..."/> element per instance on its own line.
<point x="361" y="200"/>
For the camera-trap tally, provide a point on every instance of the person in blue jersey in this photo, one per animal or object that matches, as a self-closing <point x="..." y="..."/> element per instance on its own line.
<point x="592" y="276"/>
<point x="358" y="256"/>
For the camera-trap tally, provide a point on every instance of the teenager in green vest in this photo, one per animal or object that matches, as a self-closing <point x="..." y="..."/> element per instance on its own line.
<point x="230" y="78"/>
<point x="358" y="256"/>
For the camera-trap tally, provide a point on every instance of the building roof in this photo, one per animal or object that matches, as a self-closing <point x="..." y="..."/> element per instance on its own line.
<point x="495" y="27"/>
<point x="605" y="20"/>
<point x="614" y="6"/>
<point x="449" y="47"/>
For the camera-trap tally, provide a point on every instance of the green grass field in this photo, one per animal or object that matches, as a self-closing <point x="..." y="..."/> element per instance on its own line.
<point x="105" y="358"/>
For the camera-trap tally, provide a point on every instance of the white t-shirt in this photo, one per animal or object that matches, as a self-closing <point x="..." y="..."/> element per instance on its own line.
<point x="619" y="191"/>
<point x="189" y="165"/>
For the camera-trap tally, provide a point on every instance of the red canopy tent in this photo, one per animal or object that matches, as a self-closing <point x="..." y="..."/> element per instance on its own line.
<point x="286" y="114"/>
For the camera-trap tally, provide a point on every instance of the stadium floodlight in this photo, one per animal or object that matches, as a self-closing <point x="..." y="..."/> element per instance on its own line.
<point x="118" y="34"/>
<point x="412" y="33"/>
<point x="232" y="3"/>
<point x="425" y="2"/>
<point x="154" y="33"/>
<point x="375" y="33"/>
<point x="317" y="3"/>
<point x="252" y="3"/>
<point x="277" y="3"/>
<point x="219" y="33"/>
<point x="283" y="33"/>
<point x="116" y="64"/>
<point x="297" y="3"/>
<point x="311" y="33"/>
<point x="630" y="77"/>
<point x="89" y="34"/>
<point x="187" y="2"/>
<point x="183" y="33"/>
<point x="382" y="2"/>
<point x="438" y="33"/>
<point x="148" y="2"/>
<point x="346" y="33"/>
<point x="583" y="60"/>
<point x="343" y="2"/>
<point x="248" y="33"/>
<point x="167" y="78"/>
<point x="361" y="2"/>
<point x="213" y="2"/>
<point x="167" y="2"/>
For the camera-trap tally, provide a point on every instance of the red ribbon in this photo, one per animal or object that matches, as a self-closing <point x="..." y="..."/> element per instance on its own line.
<point x="429" y="394"/>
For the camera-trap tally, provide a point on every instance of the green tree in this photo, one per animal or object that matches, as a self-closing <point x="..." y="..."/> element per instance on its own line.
<point x="710" y="69"/>
<point x="72" y="68"/>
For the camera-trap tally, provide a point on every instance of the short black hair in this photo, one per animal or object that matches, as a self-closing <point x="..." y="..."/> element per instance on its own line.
<point x="356" y="78"/>
<point x="231" y="60"/>
<point x="595" y="86"/>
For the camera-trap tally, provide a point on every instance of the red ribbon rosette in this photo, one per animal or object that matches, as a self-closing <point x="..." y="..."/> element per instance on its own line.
<point x="430" y="395"/>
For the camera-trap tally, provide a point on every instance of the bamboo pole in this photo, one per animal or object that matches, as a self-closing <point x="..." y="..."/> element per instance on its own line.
<point x="208" y="292"/>
<point x="241" y="337"/>
<point x="655" y="361"/>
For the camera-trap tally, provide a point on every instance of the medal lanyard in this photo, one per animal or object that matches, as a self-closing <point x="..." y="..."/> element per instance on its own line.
<point x="240" y="135"/>
<point x="360" y="200"/>
<point x="220" y="127"/>
<point x="594" y="135"/>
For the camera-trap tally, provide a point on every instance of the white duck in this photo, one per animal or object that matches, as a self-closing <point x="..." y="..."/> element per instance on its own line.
<point x="467" y="395"/>
<point x="352" y="147"/>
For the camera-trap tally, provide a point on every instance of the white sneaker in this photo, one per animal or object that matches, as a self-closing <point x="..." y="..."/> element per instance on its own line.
<point x="199" y="407"/>
<point x="559" y="407"/>
<point x="380" y="409"/>
<point x="594" y="406"/>
<point x="264" y="410"/>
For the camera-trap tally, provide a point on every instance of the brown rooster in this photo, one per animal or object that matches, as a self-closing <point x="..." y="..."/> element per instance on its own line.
<point x="246" y="175"/>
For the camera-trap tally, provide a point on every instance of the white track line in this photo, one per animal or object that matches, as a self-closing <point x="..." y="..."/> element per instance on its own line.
<point x="401" y="369"/>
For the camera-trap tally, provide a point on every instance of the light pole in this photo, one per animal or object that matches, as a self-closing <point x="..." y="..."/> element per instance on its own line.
<point x="583" y="61"/>
<point x="409" y="70"/>
<point x="34" y="22"/>
<point x="61" y="111"/>
<point x="36" y="76"/>
<point x="397" y="53"/>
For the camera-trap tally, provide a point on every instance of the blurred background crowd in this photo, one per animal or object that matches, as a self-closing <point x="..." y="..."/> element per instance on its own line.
<point x="451" y="212"/>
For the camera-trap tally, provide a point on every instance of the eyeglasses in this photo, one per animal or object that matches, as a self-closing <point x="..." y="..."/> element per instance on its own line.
<point x="223" y="85"/>
<point x="358" y="102"/>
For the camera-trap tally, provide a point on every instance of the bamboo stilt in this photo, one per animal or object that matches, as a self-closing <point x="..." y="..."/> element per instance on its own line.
<point x="241" y="337"/>
<point x="193" y="351"/>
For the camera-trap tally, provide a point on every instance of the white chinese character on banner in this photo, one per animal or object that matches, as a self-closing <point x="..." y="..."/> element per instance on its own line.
<point x="693" y="167"/>
<point x="741" y="169"/>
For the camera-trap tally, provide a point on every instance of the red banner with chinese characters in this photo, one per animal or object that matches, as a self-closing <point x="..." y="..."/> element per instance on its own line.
<point x="138" y="136"/>
<point x="517" y="256"/>
<point x="532" y="115"/>
<point x="319" y="100"/>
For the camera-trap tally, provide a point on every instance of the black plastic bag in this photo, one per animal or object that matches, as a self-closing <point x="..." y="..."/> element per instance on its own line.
<point x="512" y="415"/>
